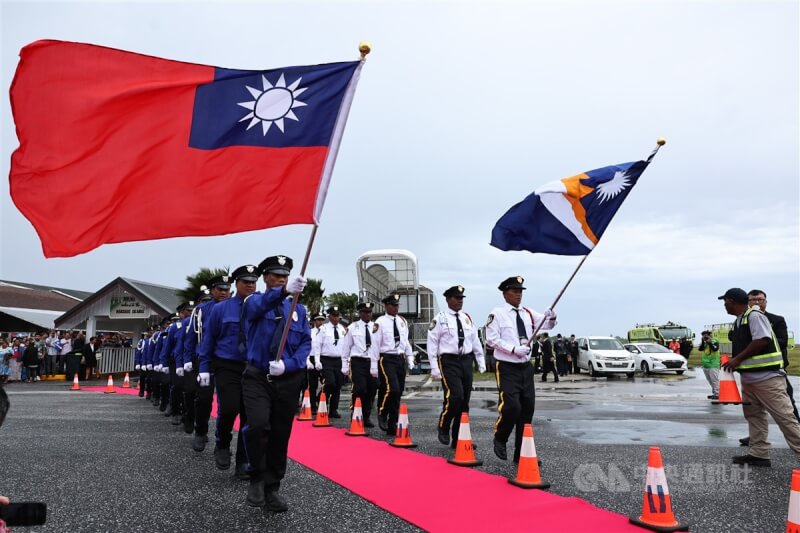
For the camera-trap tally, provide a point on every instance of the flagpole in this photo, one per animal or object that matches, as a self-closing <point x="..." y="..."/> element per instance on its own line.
<point x="364" y="48"/>
<point x="659" y="143"/>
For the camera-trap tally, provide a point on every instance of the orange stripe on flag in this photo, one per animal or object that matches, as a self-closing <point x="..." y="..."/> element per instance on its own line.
<point x="575" y="191"/>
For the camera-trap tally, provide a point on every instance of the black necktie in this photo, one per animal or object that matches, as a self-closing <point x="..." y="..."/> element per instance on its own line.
<point x="396" y="332"/>
<point x="335" y="335"/>
<point x="368" y="337"/>
<point x="460" y="327"/>
<point x="521" y="327"/>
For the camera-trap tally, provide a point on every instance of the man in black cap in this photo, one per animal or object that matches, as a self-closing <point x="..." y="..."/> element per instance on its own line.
<point x="139" y="363"/>
<point x="313" y="365"/>
<point x="509" y="331"/>
<point x="223" y="351"/>
<point x="159" y="380"/>
<point x="453" y="343"/>
<point x="273" y="378"/>
<point x="390" y="341"/>
<point x="757" y="357"/>
<point x="203" y="396"/>
<point x="184" y="361"/>
<point x="360" y="361"/>
<point x="325" y="347"/>
<point x="172" y="365"/>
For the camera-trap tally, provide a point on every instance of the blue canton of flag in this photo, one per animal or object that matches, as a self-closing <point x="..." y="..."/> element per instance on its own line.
<point x="280" y="108"/>
<point x="567" y="217"/>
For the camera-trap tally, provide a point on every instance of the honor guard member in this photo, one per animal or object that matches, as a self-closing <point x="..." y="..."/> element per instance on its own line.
<point x="390" y="342"/>
<point x="223" y="352"/>
<point x="313" y="365"/>
<point x="325" y="346"/>
<point x="150" y="393"/>
<point x="138" y="359"/>
<point x="166" y="360"/>
<point x="157" y="377"/>
<point x="453" y="343"/>
<point x="272" y="381"/>
<point x="174" y="359"/>
<point x="188" y="381"/>
<point x="510" y="331"/>
<point x="201" y="397"/>
<point x="358" y="361"/>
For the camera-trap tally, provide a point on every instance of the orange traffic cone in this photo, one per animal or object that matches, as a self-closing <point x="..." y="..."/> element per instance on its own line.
<point x="465" y="453"/>
<point x="305" y="409"/>
<point x="402" y="436"/>
<point x="728" y="390"/>
<point x="322" y="412"/>
<point x="110" y="386"/>
<point x="528" y="470"/>
<point x="793" y="521"/>
<point x="657" y="508"/>
<point x="126" y="384"/>
<point x="357" y="423"/>
<point x="75" y="383"/>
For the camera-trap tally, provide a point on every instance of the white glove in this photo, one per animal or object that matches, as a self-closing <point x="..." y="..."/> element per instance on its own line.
<point x="309" y="364"/>
<point x="149" y="367"/>
<point x="276" y="368"/>
<point x="549" y="314"/>
<point x="318" y="365"/>
<point x="187" y="367"/>
<point x="373" y="371"/>
<point x="481" y="367"/>
<point x="137" y="367"/>
<point x="435" y="374"/>
<point x="165" y="369"/>
<point x="345" y="370"/>
<point x="157" y="368"/>
<point x="179" y="371"/>
<point x="204" y="379"/>
<point x="296" y="284"/>
<point x="522" y="350"/>
<point x="410" y="361"/>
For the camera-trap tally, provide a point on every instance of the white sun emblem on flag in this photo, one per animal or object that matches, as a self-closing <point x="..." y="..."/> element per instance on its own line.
<point x="273" y="104"/>
<point x="613" y="187"/>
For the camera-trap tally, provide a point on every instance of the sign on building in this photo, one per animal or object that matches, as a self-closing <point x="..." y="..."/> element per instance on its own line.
<point x="127" y="306"/>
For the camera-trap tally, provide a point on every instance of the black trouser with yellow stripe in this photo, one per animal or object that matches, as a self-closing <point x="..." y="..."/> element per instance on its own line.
<point x="392" y="375"/>
<point x="517" y="400"/>
<point x="456" y="373"/>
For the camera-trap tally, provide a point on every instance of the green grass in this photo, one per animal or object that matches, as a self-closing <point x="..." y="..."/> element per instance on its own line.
<point x="794" y="360"/>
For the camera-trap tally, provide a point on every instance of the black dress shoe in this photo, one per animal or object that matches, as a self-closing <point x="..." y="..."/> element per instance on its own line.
<point x="744" y="442"/>
<point x="500" y="450"/>
<point x="275" y="503"/>
<point x="713" y="397"/>
<point x="176" y="420"/>
<point x="163" y="408"/>
<point x="335" y="414"/>
<point x="222" y="457"/>
<point x="141" y="395"/>
<point x="391" y="431"/>
<point x="444" y="436"/>
<point x="168" y="412"/>
<point x="241" y="471"/>
<point x="255" y="494"/>
<point x="368" y="423"/>
<point x="383" y="423"/>
<point x="199" y="442"/>
<point x="188" y="426"/>
<point x="751" y="460"/>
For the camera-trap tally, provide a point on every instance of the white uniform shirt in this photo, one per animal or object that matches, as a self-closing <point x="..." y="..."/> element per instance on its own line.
<point x="354" y="343"/>
<point x="383" y="340"/>
<point x="325" y="344"/>
<point x="501" y="331"/>
<point x="443" y="337"/>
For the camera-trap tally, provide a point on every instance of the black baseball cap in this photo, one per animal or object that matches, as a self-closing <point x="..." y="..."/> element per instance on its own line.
<point x="736" y="294"/>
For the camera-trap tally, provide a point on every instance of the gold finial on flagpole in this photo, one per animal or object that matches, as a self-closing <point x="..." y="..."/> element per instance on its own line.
<point x="661" y="141"/>
<point x="364" y="48"/>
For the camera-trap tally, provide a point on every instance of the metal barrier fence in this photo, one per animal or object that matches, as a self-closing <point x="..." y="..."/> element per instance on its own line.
<point x="113" y="360"/>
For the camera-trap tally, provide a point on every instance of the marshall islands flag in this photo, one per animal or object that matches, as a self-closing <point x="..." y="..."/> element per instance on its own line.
<point x="568" y="217"/>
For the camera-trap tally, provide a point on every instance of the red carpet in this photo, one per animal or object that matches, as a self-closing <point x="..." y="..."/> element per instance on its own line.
<point x="433" y="494"/>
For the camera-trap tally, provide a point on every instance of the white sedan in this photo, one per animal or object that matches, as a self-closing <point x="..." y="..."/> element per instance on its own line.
<point x="652" y="358"/>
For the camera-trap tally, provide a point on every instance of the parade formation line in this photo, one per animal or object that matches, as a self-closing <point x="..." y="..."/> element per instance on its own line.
<point x="413" y="472"/>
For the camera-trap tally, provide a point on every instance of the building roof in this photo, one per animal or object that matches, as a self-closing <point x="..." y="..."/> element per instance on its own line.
<point x="75" y="294"/>
<point x="34" y="298"/>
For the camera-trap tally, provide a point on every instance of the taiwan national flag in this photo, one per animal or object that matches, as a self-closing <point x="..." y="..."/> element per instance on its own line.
<point x="118" y="147"/>
<point x="568" y="217"/>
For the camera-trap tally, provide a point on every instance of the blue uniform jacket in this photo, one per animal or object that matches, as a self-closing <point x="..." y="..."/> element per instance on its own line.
<point x="221" y="334"/>
<point x="179" y="336"/>
<point x="167" y="346"/>
<point x="263" y="325"/>
<point x="190" y="335"/>
<point x="139" y="353"/>
<point x="150" y="348"/>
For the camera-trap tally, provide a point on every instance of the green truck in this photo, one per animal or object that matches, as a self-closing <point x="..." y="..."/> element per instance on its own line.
<point x="660" y="334"/>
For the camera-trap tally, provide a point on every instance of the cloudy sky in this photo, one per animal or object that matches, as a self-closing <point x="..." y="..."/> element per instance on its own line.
<point x="462" y="110"/>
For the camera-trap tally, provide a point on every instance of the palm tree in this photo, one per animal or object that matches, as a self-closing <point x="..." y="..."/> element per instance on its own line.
<point x="195" y="281"/>
<point x="346" y="301"/>
<point x="313" y="296"/>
